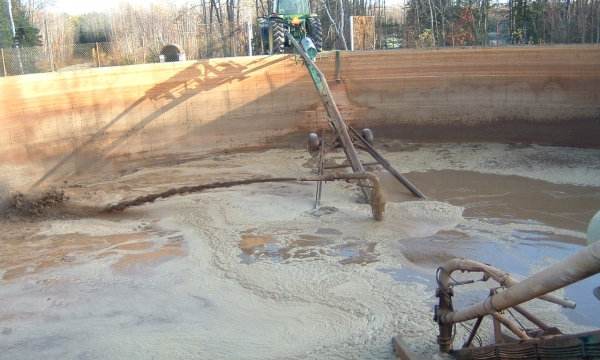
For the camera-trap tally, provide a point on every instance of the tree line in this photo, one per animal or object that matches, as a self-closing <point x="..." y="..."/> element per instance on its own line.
<point x="417" y="23"/>
<point x="16" y="28"/>
<point x="516" y="22"/>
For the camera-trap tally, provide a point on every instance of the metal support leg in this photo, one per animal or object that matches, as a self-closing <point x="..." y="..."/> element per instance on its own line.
<point x="510" y="326"/>
<point x="338" y="67"/>
<point x="320" y="171"/>
<point x="497" y="331"/>
<point x="381" y="160"/>
<point x="529" y="316"/>
<point x="473" y="332"/>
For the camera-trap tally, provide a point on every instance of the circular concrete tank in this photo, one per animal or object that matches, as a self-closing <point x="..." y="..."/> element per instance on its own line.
<point x="256" y="271"/>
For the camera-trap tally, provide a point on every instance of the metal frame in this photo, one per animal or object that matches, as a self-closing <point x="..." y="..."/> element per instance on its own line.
<point x="510" y="294"/>
<point x="344" y="136"/>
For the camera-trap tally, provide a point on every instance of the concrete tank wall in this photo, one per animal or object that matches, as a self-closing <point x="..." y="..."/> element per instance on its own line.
<point x="547" y="95"/>
<point x="58" y="125"/>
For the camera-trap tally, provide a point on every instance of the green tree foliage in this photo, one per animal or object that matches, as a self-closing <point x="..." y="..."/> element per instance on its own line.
<point x="26" y="35"/>
<point x="6" y="39"/>
<point x="516" y="22"/>
<point x="92" y="27"/>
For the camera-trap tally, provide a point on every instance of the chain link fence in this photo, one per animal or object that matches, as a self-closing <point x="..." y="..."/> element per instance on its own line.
<point x="209" y="41"/>
<point x="389" y="36"/>
<point x="212" y="41"/>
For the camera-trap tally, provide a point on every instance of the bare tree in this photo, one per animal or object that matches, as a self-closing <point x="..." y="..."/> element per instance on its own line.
<point x="336" y="24"/>
<point x="32" y="8"/>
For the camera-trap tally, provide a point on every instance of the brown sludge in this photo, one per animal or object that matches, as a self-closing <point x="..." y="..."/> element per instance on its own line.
<point x="186" y="190"/>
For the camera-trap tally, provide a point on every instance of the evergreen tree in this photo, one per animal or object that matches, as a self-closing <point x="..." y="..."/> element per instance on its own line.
<point x="6" y="39"/>
<point x="26" y="34"/>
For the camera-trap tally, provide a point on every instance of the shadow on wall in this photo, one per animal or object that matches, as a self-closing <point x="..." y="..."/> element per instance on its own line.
<point x="174" y="91"/>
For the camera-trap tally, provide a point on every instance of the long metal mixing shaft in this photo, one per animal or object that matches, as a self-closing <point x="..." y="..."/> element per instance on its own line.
<point x="378" y="205"/>
<point x="332" y="110"/>
<point x="344" y="131"/>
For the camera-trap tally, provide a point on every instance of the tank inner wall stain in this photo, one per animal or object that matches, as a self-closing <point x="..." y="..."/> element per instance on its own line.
<point x="56" y="125"/>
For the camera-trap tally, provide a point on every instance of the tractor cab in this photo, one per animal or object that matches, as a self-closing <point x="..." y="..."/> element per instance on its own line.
<point x="291" y="7"/>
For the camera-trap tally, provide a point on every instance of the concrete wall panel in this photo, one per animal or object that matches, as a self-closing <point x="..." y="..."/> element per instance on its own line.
<point x="57" y="125"/>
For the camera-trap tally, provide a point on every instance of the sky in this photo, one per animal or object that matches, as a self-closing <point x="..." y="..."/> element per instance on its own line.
<point x="76" y="7"/>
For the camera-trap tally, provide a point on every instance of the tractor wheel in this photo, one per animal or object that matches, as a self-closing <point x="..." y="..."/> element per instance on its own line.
<point x="315" y="31"/>
<point x="313" y="144"/>
<point x="367" y="134"/>
<point x="278" y="38"/>
<point x="264" y="39"/>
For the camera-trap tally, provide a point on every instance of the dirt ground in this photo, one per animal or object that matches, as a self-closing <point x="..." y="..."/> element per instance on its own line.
<point x="256" y="271"/>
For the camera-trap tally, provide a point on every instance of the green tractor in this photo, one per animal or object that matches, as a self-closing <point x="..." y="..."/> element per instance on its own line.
<point x="294" y="16"/>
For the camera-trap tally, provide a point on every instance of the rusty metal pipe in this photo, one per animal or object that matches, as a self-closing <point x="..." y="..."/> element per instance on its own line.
<point x="343" y="166"/>
<point x="338" y="124"/>
<point x="500" y="276"/>
<point x="504" y="321"/>
<point x="377" y="203"/>
<point x="529" y="316"/>
<point x="344" y="176"/>
<point x="332" y="110"/>
<point x="473" y="333"/>
<point x="386" y="164"/>
<point x="576" y="267"/>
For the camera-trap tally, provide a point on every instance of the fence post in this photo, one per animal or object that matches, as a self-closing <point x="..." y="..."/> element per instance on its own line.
<point x="51" y="59"/>
<point x="351" y="33"/>
<point x="3" y="63"/>
<point x="98" y="54"/>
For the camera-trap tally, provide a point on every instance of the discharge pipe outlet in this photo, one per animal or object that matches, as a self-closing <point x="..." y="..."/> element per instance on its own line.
<point x="377" y="203"/>
<point x="576" y="267"/>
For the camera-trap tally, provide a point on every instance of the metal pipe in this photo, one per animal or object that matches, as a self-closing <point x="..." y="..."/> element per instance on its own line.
<point x="498" y="275"/>
<point x="333" y="111"/>
<point x="343" y="166"/>
<point x="576" y="267"/>
<point x="473" y="333"/>
<point x="249" y="31"/>
<point x="529" y="316"/>
<point x="340" y="127"/>
<point x="504" y="321"/>
<point x="351" y="33"/>
<point x="386" y="164"/>
<point x="497" y="331"/>
<point x="338" y="66"/>
<point x="351" y="176"/>
<point x="320" y="171"/>
<point x="378" y="204"/>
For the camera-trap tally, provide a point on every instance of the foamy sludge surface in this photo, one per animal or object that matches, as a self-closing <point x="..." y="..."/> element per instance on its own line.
<point x="304" y="284"/>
